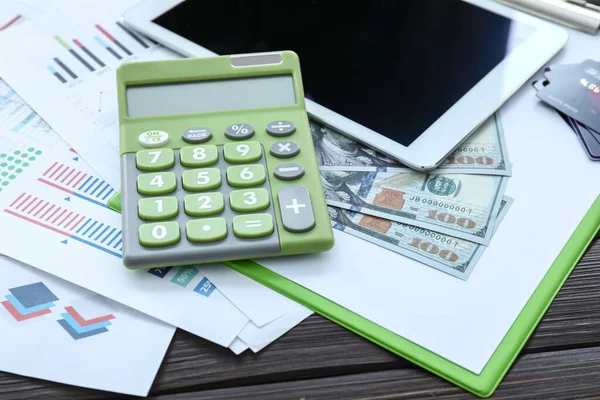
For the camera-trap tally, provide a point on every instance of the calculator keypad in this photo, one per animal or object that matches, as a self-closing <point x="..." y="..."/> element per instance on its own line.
<point x="284" y="149"/>
<point x="209" y="202"/>
<point x="158" y="208"/>
<point x="246" y="175"/>
<point x="154" y="160"/>
<point x="244" y="152"/>
<point x="196" y="135"/>
<point x="198" y="180"/>
<point x="288" y="172"/>
<point x="204" y="204"/>
<point x="296" y="210"/>
<point x="206" y="230"/>
<point x="281" y="128"/>
<point x="249" y="200"/>
<point x="157" y="183"/>
<point x="251" y="226"/>
<point x="198" y="156"/>
<point x="239" y="131"/>
<point x="160" y="234"/>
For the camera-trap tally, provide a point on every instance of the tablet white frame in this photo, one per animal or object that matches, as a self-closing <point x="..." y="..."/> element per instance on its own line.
<point x="450" y="129"/>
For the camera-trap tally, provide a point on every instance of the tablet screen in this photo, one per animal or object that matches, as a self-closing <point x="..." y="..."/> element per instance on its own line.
<point x="394" y="66"/>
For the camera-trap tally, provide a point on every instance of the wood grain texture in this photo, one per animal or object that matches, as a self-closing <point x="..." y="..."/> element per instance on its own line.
<point x="318" y="350"/>
<point x="564" y="374"/>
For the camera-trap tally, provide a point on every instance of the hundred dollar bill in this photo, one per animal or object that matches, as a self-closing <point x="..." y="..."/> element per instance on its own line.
<point x="459" y="205"/>
<point x="454" y="256"/>
<point x="484" y="152"/>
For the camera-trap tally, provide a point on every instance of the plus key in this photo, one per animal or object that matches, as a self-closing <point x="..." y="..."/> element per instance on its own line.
<point x="296" y="210"/>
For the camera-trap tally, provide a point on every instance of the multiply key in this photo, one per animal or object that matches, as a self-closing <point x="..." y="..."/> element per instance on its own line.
<point x="284" y="149"/>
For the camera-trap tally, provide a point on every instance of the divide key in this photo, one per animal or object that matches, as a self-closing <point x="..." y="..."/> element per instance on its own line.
<point x="281" y="128"/>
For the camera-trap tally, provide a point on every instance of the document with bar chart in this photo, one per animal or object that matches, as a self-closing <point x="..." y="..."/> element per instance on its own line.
<point x="65" y="68"/>
<point x="75" y="336"/>
<point x="55" y="204"/>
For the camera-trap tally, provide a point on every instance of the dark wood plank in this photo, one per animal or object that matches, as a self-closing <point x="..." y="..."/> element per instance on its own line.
<point x="18" y="387"/>
<point x="320" y="348"/>
<point x="565" y="374"/>
<point x="574" y="317"/>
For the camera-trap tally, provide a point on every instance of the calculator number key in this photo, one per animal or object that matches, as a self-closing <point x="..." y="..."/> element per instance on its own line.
<point x="198" y="156"/>
<point x="157" y="208"/>
<point x="157" y="183"/>
<point x="206" y="230"/>
<point x="198" y="180"/>
<point x="250" y="226"/>
<point x="246" y="175"/>
<point x="200" y="205"/>
<point x="249" y="200"/>
<point x="154" y="160"/>
<point x="242" y="152"/>
<point x="159" y="234"/>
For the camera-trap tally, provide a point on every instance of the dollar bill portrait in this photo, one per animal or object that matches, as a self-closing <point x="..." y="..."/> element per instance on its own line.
<point x="334" y="149"/>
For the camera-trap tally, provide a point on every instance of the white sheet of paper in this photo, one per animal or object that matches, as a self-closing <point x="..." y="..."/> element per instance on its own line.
<point x="553" y="184"/>
<point x="259" y="303"/>
<point x="20" y="118"/>
<point x="77" y="238"/>
<point x="257" y="338"/>
<point x="73" y="95"/>
<point x="119" y="352"/>
<point x="238" y="347"/>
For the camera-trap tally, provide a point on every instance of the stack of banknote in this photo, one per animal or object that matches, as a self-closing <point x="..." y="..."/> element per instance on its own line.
<point x="444" y="218"/>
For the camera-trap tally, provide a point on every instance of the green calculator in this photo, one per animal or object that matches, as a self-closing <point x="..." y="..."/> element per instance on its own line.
<point x="217" y="161"/>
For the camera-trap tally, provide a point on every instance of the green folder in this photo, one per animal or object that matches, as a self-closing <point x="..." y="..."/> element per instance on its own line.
<point x="482" y="385"/>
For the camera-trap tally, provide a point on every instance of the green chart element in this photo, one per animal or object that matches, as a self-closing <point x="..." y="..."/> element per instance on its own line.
<point x="14" y="163"/>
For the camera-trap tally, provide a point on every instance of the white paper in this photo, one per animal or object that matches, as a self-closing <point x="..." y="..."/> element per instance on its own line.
<point x="21" y="120"/>
<point x="76" y="95"/>
<point x="238" y="347"/>
<point x="119" y="352"/>
<point x="259" y="303"/>
<point x="13" y="13"/>
<point x="553" y="184"/>
<point x="257" y="338"/>
<point x="61" y="215"/>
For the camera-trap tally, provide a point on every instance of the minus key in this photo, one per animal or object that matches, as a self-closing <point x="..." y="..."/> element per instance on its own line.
<point x="288" y="172"/>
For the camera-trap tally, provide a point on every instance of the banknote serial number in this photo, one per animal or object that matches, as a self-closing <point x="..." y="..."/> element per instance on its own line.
<point x="441" y="204"/>
<point x="433" y="235"/>
<point x="470" y="150"/>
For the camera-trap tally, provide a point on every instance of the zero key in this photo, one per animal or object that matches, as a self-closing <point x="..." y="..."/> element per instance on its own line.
<point x="296" y="210"/>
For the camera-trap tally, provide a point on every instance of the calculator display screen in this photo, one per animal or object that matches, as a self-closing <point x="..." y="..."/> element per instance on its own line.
<point x="207" y="96"/>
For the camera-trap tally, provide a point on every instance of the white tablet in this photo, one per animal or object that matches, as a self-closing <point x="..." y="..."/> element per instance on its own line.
<point x="411" y="79"/>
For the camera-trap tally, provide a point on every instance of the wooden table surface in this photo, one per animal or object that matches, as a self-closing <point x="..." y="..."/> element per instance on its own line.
<point x="320" y="360"/>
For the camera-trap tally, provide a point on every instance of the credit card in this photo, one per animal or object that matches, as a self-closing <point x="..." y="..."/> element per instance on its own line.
<point x="576" y="93"/>
<point x="590" y="144"/>
<point x="555" y="73"/>
<point x="589" y="139"/>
